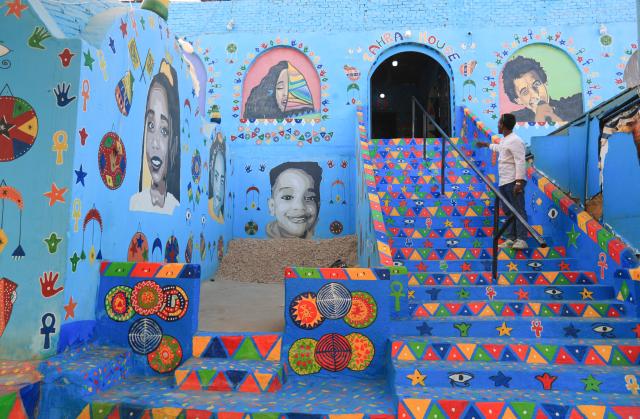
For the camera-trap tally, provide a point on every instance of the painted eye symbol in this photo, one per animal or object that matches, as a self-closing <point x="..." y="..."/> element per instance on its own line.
<point x="419" y="202"/>
<point x="397" y="263"/>
<point x="455" y="188"/>
<point x="535" y="265"/>
<point x="203" y="220"/>
<point x="466" y="171"/>
<point x="452" y="242"/>
<point x="188" y="215"/>
<point x="605" y="330"/>
<point x="409" y="221"/>
<point x="552" y="213"/>
<point x="554" y="293"/>
<point x="460" y="379"/>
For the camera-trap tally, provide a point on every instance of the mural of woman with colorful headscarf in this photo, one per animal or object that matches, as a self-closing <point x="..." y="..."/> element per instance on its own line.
<point x="159" y="185"/>
<point x="282" y="92"/>
<point x="217" y="176"/>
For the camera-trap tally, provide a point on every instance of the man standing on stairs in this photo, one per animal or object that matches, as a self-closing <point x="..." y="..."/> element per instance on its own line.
<point x="511" y="171"/>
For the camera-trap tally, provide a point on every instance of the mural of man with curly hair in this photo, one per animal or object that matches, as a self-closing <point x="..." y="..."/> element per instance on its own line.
<point x="525" y="84"/>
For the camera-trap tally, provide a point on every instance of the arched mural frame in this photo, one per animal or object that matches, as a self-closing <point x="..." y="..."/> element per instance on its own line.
<point x="558" y="40"/>
<point x="289" y="130"/>
<point x="421" y="49"/>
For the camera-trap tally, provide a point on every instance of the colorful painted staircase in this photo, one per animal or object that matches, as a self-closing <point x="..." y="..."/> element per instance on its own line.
<point x="546" y="340"/>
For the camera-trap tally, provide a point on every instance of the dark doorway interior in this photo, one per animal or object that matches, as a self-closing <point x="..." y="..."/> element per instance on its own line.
<point x="394" y="82"/>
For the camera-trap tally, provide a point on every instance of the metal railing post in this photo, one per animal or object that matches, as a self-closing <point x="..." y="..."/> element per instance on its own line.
<point x="496" y="237"/>
<point x="442" y="157"/>
<point x="413" y="117"/>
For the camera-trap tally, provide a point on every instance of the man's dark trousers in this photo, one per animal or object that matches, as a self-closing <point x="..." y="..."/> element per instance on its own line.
<point x="516" y="230"/>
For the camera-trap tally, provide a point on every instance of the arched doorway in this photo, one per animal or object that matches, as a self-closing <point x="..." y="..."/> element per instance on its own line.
<point x="395" y="80"/>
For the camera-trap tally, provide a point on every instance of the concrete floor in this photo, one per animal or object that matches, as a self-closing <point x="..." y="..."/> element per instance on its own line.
<point x="232" y="306"/>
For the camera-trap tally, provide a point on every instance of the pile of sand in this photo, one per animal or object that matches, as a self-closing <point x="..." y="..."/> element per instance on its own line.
<point x="253" y="260"/>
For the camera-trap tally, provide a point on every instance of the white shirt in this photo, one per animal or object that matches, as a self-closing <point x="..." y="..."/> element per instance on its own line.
<point x="511" y="161"/>
<point x="141" y="201"/>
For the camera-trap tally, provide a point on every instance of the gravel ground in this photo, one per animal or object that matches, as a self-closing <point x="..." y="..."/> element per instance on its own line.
<point x="263" y="261"/>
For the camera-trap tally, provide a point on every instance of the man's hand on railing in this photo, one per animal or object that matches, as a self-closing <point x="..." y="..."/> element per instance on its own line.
<point x="481" y="144"/>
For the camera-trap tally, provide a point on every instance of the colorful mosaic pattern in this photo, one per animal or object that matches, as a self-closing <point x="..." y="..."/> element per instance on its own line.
<point x="210" y="374"/>
<point x="353" y="274"/>
<point x="517" y="309"/>
<point x="257" y="347"/>
<point x="561" y="352"/>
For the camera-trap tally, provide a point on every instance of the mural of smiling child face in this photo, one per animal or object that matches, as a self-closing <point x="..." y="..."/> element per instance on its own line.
<point x="282" y="90"/>
<point x="294" y="203"/>
<point x="157" y="131"/>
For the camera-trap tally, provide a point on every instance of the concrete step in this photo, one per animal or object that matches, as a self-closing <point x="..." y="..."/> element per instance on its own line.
<point x="402" y="240"/>
<point x="520" y="327"/>
<point x="510" y="309"/>
<point x="443" y="403"/>
<point x="432" y="293"/>
<point x="387" y="196"/>
<point x="431" y="188"/>
<point x="462" y="253"/>
<point x="438" y="222"/>
<point x="550" y="277"/>
<point x="216" y="374"/>
<point x="512" y="349"/>
<point x="515" y="376"/>
<point x="485" y="265"/>
<point x="238" y="345"/>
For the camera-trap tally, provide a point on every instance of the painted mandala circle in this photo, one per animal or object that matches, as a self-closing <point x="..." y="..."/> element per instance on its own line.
<point x="334" y="300"/>
<point x="363" y="310"/>
<point x="304" y="311"/>
<point x="167" y="355"/>
<point x="117" y="304"/>
<point x="196" y="167"/>
<point x="336" y="227"/>
<point x="147" y="298"/>
<point x="188" y="251"/>
<point x="175" y="303"/>
<point x="138" y="248"/>
<point x="363" y="351"/>
<point x="302" y="358"/>
<point x="18" y="127"/>
<point x="171" y="250"/>
<point x="251" y="228"/>
<point x="144" y="336"/>
<point x="333" y="352"/>
<point x="112" y="160"/>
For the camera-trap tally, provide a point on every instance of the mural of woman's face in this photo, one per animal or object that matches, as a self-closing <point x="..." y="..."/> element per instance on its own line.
<point x="293" y="203"/>
<point x="530" y="90"/>
<point x="218" y="175"/>
<point x="157" y="132"/>
<point x="282" y="89"/>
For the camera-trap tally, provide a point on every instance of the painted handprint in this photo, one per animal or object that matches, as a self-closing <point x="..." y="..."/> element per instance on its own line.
<point x="40" y="33"/>
<point x="48" y="283"/>
<point x="62" y="94"/>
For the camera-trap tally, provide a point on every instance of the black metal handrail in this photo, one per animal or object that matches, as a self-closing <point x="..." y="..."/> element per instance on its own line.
<point x="497" y="232"/>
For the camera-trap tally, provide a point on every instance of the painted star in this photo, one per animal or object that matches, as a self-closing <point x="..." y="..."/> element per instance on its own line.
<point x="112" y="45"/>
<point x="80" y="175"/>
<point x="52" y="242"/>
<point x="466" y="267"/>
<point x="477" y="243"/>
<point x="88" y="60"/>
<point x="571" y="331"/>
<point x="424" y="329"/>
<point x="522" y="294"/>
<point x="546" y="380"/>
<point x="433" y="293"/>
<point x="586" y="294"/>
<point x="463" y="328"/>
<point x="448" y="223"/>
<point x="416" y="378"/>
<point x="55" y="194"/>
<point x="70" y="309"/>
<point x="591" y="384"/>
<point x="500" y="380"/>
<point x="563" y="266"/>
<point x="463" y="294"/>
<point x="504" y="330"/>
<point x="5" y="126"/>
<point x="411" y="294"/>
<point x="16" y="8"/>
<point x="123" y="28"/>
<point x="142" y="22"/>
<point x="573" y="237"/>
<point x="512" y="267"/>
